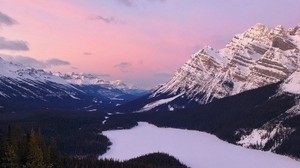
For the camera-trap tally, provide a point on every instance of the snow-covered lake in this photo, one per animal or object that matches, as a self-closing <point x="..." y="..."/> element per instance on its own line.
<point x="193" y="148"/>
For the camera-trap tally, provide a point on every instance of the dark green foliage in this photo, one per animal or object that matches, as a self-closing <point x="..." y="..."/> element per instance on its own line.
<point x="35" y="154"/>
<point x="32" y="151"/>
<point x="24" y="150"/>
<point x="292" y="145"/>
<point x="155" y="160"/>
<point x="76" y="133"/>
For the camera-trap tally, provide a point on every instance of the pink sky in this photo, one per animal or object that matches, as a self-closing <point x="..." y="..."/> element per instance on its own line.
<point x="139" y="41"/>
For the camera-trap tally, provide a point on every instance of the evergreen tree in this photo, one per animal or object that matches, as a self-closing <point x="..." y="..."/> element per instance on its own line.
<point x="35" y="154"/>
<point x="10" y="158"/>
<point x="54" y="155"/>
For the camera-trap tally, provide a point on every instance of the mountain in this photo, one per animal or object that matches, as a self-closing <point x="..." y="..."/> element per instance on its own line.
<point x="255" y="58"/>
<point x="25" y="88"/>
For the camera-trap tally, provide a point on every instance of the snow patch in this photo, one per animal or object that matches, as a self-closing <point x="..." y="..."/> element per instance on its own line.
<point x="158" y="103"/>
<point x="115" y="98"/>
<point x="292" y="84"/>
<point x="193" y="148"/>
<point x="74" y="97"/>
<point x="258" y="137"/>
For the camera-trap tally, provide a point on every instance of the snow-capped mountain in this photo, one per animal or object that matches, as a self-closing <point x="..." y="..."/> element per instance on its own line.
<point x="90" y="79"/>
<point x="23" y="88"/>
<point x="255" y="58"/>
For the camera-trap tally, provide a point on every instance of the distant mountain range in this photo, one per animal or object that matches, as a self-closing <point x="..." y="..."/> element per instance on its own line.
<point x="257" y="57"/>
<point x="24" y="88"/>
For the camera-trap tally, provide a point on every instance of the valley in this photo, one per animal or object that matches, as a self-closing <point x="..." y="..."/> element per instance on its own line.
<point x="235" y="105"/>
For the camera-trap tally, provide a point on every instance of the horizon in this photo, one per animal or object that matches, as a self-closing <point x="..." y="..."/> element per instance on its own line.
<point x="139" y="42"/>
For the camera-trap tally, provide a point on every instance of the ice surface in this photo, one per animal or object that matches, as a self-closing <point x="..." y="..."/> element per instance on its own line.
<point x="193" y="148"/>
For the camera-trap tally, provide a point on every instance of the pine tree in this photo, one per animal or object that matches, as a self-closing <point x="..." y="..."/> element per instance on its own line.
<point x="10" y="159"/>
<point x="54" y="154"/>
<point x="35" y="154"/>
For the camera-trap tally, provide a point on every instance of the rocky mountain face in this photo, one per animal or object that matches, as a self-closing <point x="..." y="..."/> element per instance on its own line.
<point x="255" y="58"/>
<point x="25" y="88"/>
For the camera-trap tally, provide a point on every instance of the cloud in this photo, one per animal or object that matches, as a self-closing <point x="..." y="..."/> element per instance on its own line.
<point x="126" y="2"/>
<point x="24" y="60"/>
<point x="87" y="53"/>
<point x="15" y="45"/>
<point x="123" y="66"/>
<point x="131" y="3"/>
<point x="6" y="20"/>
<point x="105" y="19"/>
<point x="29" y="61"/>
<point x="56" y="62"/>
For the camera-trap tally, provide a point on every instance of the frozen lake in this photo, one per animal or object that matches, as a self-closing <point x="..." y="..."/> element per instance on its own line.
<point x="193" y="148"/>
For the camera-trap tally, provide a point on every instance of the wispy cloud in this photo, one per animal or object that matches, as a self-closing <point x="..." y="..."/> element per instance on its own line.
<point x="15" y="45"/>
<point x="32" y="62"/>
<point x="105" y="19"/>
<point x="56" y="62"/>
<point x="87" y="53"/>
<point x="6" y="20"/>
<point x="124" y="66"/>
<point x="131" y="3"/>
<point x="126" y="2"/>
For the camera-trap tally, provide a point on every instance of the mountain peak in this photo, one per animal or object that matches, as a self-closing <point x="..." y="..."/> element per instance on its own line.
<point x="279" y="30"/>
<point x="279" y="27"/>
<point x="259" y="26"/>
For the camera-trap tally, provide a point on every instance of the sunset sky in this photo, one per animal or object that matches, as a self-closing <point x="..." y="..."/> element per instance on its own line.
<point x="142" y="42"/>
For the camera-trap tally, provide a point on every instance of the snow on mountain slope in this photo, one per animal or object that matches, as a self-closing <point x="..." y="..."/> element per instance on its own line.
<point x="255" y="58"/>
<point x="292" y="84"/>
<point x="159" y="102"/>
<point x="277" y="131"/>
<point x="90" y="79"/>
<point x="21" y="72"/>
<point x="36" y="88"/>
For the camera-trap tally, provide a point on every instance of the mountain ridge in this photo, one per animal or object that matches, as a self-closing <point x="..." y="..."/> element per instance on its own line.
<point x="255" y="58"/>
<point x="28" y="87"/>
